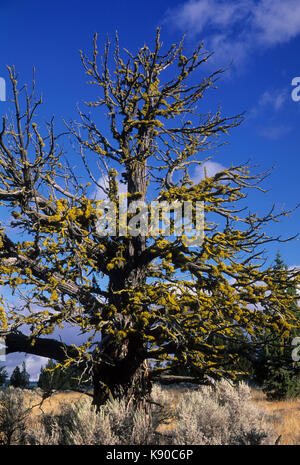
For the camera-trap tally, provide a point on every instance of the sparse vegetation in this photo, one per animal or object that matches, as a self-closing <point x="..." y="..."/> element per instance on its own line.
<point x="177" y="415"/>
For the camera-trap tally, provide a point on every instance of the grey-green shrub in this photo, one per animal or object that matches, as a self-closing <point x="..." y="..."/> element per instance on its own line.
<point x="15" y="408"/>
<point x="116" y="423"/>
<point x="221" y="415"/>
<point x="205" y="416"/>
<point x="45" y="432"/>
<point x="79" y="424"/>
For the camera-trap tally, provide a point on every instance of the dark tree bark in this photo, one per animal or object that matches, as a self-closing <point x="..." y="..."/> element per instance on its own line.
<point x="126" y="379"/>
<point x="43" y="347"/>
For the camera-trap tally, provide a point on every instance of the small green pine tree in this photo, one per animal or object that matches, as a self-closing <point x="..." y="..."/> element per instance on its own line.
<point x="278" y="375"/>
<point x="20" y="378"/>
<point x="53" y="377"/>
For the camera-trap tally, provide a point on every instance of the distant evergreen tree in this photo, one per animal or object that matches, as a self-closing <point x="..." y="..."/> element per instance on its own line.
<point x="53" y="377"/>
<point x="235" y="359"/>
<point x="278" y="375"/>
<point x="46" y="378"/>
<point x="15" y="378"/>
<point x="3" y="375"/>
<point x="20" y="378"/>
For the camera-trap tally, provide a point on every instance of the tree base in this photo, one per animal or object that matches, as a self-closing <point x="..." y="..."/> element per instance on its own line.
<point x="117" y="382"/>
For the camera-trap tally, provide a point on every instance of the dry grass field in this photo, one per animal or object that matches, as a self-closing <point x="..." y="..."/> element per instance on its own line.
<point x="53" y="404"/>
<point x="284" y="417"/>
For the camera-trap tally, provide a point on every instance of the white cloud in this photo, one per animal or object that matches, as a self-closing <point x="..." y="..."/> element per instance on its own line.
<point x="211" y="168"/>
<point x="33" y="366"/>
<point x="69" y="335"/>
<point x="99" y="194"/>
<point x="276" y="21"/>
<point x="202" y="13"/>
<point x="234" y="28"/>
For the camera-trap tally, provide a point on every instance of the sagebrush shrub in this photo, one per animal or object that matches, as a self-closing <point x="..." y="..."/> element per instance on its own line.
<point x="116" y="423"/>
<point x="82" y="425"/>
<point x="45" y="432"/>
<point x="15" y="408"/>
<point x="221" y="415"/>
<point x="162" y="395"/>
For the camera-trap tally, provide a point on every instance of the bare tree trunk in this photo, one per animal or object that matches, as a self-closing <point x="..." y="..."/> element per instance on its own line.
<point x="126" y="378"/>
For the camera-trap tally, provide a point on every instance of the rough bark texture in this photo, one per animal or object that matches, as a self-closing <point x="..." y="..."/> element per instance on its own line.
<point x="123" y="371"/>
<point x="126" y="377"/>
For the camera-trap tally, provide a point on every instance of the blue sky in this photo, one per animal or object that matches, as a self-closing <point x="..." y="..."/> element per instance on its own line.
<point x="261" y="37"/>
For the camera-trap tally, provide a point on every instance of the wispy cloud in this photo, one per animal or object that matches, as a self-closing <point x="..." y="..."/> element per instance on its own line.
<point x="274" y="99"/>
<point x="99" y="194"/>
<point x="238" y="27"/>
<point x="271" y="101"/>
